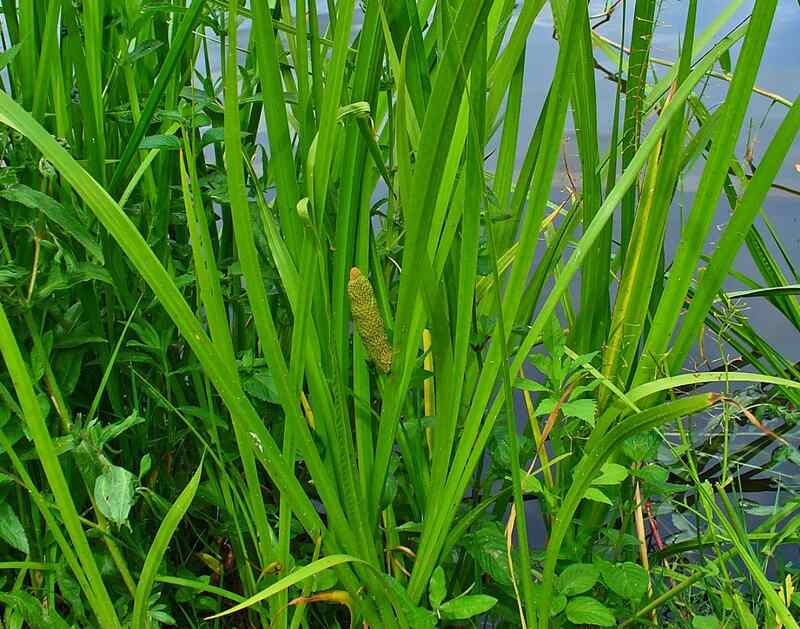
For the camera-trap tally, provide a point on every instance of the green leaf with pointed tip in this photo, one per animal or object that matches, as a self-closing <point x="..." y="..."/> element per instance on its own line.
<point x="7" y="56"/>
<point x="642" y="446"/>
<point x="437" y="588"/>
<point x="469" y="606"/>
<point x="578" y="578"/>
<point x="160" y="142"/>
<point x="11" y="530"/>
<point x="628" y="580"/>
<point x="597" y="496"/>
<point x="611" y="474"/>
<point x="584" y="610"/>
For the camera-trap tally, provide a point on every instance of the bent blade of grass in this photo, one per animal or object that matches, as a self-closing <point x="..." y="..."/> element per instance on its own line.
<point x="159" y="547"/>
<point x="200" y="587"/>
<point x="301" y="574"/>
<point x="767" y="291"/>
<point x="693" y="379"/>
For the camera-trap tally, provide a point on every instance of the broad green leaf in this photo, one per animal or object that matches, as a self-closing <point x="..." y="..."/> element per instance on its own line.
<point x="587" y="611"/>
<point x="655" y="479"/>
<point x="526" y="384"/>
<point x="325" y="580"/>
<point x="557" y="602"/>
<point x="11" y="530"/>
<point x="468" y="606"/>
<point x="628" y="580"/>
<point x="160" y="142"/>
<point x="7" y="56"/>
<point x="642" y="446"/>
<point x="112" y="431"/>
<point x="114" y="493"/>
<point x="143" y="49"/>
<point x="582" y="409"/>
<point x="531" y="484"/>
<point x="611" y="474"/>
<point x="746" y="618"/>
<point x="578" y="578"/>
<point x="705" y="622"/>
<point x="437" y="588"/>
<point x="593" y="493"/>
<point x="487" y="546"/>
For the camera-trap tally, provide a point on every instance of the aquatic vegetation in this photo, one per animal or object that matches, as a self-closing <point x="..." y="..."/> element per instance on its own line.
<point x="301" y="329"/>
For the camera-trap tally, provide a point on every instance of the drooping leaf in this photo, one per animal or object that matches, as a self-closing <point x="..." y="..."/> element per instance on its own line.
<point x="114" y="493"/>
<point x="582" y="409"/>
<point x="593" y="493"/>
<point x="261" y="385"/>
<point x="655" y="480"/>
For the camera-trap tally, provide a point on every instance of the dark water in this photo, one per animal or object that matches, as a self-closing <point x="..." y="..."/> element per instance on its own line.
<point x="779" y="73"/>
